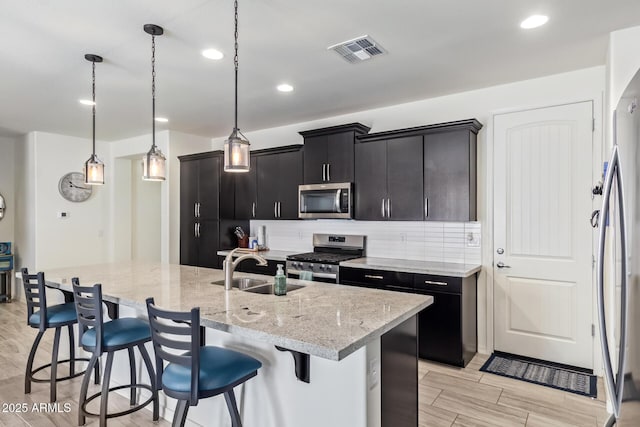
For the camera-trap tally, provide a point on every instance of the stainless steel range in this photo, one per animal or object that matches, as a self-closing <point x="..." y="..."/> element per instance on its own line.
<point x="329" y="250"/>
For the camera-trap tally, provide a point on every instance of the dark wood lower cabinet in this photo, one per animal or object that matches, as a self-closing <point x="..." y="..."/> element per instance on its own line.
<point x="447" y="329"/>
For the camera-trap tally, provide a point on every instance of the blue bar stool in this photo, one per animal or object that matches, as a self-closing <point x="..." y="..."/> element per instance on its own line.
<point x="55" y="316"/>
<point x="100" y="337"/>
<point x="198" y="372"/>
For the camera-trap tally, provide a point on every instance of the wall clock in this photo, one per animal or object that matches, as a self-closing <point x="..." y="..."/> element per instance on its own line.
<point x="72" y="187"/>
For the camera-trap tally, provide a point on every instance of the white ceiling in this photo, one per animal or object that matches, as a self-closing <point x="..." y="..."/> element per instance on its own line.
<point x="435" y="47"/>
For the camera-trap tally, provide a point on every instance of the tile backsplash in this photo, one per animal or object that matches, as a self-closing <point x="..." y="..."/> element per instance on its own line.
<point x="457" y="242"/>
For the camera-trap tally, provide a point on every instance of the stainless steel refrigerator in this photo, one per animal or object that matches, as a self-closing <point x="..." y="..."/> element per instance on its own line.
<point x="618" y="264"/>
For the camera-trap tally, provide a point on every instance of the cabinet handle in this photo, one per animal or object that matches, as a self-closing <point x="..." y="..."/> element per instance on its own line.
<point x="382" y="209"/>
<point x="324" y="172"/>
<point x="388" y="208"/>
<point x="195" y="230"/>
<point x="279" y="211"/>
<point x="253" y="209"/>
<point x="431" y="282"/>
<point x="195" y="209"/>
<point x="328" y="172"/>
<point x="426" y="207"/>
<point x="275" y="209"/>
<point x="199" y="209"/>
<point x="198" y="229"/>
<point x="371" y="276"/>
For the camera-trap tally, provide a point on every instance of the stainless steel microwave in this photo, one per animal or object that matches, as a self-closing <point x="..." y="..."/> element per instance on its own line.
<point x="333" y="200"/>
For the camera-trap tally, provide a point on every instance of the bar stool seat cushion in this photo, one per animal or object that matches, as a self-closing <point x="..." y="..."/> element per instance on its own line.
<point x="119" y="332"/>
<point x="56" y="315"/>
<point x="219" y="368"/>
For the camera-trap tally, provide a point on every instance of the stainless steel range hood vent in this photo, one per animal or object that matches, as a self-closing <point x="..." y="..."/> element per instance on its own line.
<point x="358" y="49"/>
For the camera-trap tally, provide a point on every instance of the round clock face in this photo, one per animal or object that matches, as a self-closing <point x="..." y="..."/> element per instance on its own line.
<point x="73" y="188"/>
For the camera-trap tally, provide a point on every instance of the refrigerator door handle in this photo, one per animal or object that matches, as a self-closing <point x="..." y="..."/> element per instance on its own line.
<point x="602" y="323"/>
<point x="624" y="289"/>
<point x="614" y="383"/>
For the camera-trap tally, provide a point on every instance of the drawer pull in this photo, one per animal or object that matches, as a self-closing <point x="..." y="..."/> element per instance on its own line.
<point x="369" y="276"/>
<point x="431" y="282"/>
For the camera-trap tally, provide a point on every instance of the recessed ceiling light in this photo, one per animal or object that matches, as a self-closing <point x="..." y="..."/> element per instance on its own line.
<point x="86" y="102"/>
<point x="162" y="119"/>
<point x="284" y="87"/>
<point x="534" y="21"/>
<point x="212" y="54"/>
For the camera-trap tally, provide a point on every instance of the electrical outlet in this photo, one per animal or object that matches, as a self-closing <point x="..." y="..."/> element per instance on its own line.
<point x="473" y="239"/>
<point x="63" y="215"/>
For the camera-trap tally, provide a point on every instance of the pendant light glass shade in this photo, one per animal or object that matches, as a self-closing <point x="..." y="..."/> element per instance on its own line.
<point x="93" y="171"/>
<point x="154" y="162"/>
<point x="94" y="167"/>
<point x="236" y="153"/>
<point x="236" y="148"/>
<point x="153" y="165"/>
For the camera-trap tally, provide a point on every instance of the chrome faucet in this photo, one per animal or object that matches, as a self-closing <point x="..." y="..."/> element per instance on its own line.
<point x="229" y="266"/>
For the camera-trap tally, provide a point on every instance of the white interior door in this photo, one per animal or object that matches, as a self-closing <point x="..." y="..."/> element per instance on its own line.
<point x="542" y="236"/>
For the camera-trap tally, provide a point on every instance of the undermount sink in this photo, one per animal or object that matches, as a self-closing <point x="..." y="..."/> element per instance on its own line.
<point x="257" y="286"/>
<point x="268" y="288"/>
<point x="242" y="283"/>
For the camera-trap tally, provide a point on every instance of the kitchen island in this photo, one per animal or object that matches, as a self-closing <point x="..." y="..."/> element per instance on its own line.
<point x="359" y="344"/>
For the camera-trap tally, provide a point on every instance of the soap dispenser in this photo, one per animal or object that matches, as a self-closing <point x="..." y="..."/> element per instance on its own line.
<point x="280" y="282"/>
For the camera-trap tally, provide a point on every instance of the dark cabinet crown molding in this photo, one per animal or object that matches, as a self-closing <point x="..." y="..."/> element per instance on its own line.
<point x="197" y="156"/>
<point x="358" y="128"/>
<point x="275" y="150"/>
<point x="472" y="125"/>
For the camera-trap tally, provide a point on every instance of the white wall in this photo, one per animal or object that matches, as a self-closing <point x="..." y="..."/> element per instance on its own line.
<point x="145" y="215"/>
<point x="7" y="188"/>
<point x="482" y="104"/>
<point x="79" y="238"/>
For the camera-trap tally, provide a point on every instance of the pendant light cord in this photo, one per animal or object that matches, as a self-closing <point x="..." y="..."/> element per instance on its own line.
<point x="235" y="62"/>
<point x="153" y="91"/>
<point x="93" y="106"/>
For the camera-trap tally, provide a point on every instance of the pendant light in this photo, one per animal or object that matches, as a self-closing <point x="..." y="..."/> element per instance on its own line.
<point x="93" y="167"/>
<point x="153" y="163"/>
<point x="236" y="148"/>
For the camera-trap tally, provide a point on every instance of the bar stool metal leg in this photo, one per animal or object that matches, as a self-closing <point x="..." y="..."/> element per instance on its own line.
<point x="152" y="377"/>
<point x="32" y="355"/>
<point x="180" y="415"/>
<point x="230" y="398"/>
<point x="72" y="351"/>
<point x="54" y="365"/>
<point x="93" y="363"/>
<point x="104" y="397"/>
<point x="132" y="375"/>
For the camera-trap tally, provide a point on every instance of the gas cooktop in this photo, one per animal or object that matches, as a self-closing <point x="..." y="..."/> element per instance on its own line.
<point x="323" y="257"/>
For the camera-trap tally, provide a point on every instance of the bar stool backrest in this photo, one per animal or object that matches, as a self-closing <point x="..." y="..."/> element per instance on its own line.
<point x="36" y="296"/>
<point x="168" y="329"/>
<point x="88" y="301"/>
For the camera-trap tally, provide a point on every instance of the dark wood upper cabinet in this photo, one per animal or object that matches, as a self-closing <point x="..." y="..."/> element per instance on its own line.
<point x="388" y="179"/>
<point x="370" y="180"/>
<point x="278" y="174"/>
<point x="426" y="172"/>
<point x="329" y="153"/>
<point x="246" y="193"/>
<point x="450" y="176"/>
<point x="404" y="179"/>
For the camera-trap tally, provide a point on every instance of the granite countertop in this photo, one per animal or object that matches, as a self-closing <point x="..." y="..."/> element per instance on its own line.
<point x="324" y="320"/>
<point x="411" y="266"/>
<point x="273" y="255"/>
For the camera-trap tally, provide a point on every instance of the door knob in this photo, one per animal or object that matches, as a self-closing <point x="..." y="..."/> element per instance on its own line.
<point x="500" y="251"/>
<point x="500" y="264"/>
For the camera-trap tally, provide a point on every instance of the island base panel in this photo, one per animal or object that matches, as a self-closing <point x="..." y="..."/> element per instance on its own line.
<point x="399" y="375"/>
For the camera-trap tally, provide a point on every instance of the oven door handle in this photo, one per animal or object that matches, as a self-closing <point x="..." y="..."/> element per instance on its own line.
<point x="320" y="275"/>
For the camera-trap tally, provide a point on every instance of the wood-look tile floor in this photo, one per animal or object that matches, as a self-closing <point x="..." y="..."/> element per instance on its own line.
<point x="448" y="396"/>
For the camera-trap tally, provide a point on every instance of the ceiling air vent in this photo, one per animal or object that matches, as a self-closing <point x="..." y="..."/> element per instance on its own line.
<point x="358" y="49"/>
